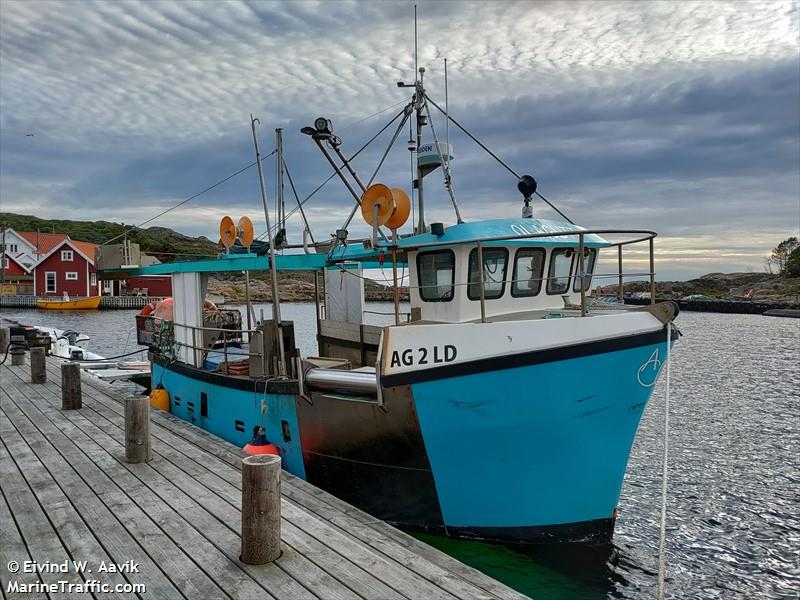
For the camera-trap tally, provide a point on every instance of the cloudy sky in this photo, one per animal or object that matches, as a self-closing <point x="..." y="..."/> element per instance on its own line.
<point x="683" y="117"/>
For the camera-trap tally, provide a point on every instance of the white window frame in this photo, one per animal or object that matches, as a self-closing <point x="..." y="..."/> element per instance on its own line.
<point x="67" y="256"/>
<point x="93" y="279"/>
<point x="47" y="289"/>
<point x="71" y="276"/>
<point x="6" y="263"/>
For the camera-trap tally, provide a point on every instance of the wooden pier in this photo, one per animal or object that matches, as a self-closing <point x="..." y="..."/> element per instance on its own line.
<point x="173" y="524"/>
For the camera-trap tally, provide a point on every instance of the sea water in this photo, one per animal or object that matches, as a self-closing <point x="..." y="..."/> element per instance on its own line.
<point x="733" y="513"/>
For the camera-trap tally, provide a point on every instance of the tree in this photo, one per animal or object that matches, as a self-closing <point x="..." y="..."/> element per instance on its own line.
<point x="781" y="253"/>
<point x="793" y="263"/>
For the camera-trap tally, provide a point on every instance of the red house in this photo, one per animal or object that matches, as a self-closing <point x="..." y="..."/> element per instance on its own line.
<point x="17" y="274"/>
<point x="67" y="267"/>
<point x="150" y="285"/>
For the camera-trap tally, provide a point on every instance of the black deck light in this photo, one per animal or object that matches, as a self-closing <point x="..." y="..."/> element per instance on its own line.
<point x="527" y="187"/>
<point x="308" y="131"/>
<point x="323" y="125"/>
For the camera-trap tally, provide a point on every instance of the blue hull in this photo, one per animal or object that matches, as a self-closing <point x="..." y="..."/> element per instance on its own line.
<point x="532" y="453"/>
<point x="534" y="446"/>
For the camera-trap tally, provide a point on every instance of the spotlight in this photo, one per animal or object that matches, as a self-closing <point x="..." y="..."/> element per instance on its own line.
<point x="308" y="130"/>
<point x="323" y="125"/>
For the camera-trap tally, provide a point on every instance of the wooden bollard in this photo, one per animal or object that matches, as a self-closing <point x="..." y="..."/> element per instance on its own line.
<point x="137" y="429"/>
<point x="261" y="509"/>
<point x="38" y="368"/>
<point x="71" y="397"/>
<point x="5" y="339"/>
<point x="17" y="350"/>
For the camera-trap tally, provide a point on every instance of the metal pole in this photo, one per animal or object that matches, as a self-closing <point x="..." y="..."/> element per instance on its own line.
<point x="276" y="308"/>
<point x="341" y="176"/>
<point x="581" y="267"/>
<point x="350" y="168"/>
<point x="394" y="278"/>
<point x="445" y="167"/>
<point x="652" y="274"/>
<point x="247" y="301"/>
<point x="620" y="291"/>
<point x="420" y="195"/>
<point x="318" y="310"/>
<point x="482" y="290"/>
<point x="279" y="201"/>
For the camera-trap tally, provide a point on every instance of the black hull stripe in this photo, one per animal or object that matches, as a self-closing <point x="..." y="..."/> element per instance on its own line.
<point x="599" y="531"/>
<point x="534" y="357"/>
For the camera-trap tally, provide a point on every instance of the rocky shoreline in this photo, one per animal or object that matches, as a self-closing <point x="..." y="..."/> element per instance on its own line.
<point x="749" y="287"/>
<point x="290" y="289"/>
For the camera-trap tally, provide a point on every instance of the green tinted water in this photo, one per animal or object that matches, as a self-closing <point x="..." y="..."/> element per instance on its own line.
<point x="546" y="572"/>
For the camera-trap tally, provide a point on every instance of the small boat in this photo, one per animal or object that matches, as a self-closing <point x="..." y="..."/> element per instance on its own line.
<point x="67" y="303"/>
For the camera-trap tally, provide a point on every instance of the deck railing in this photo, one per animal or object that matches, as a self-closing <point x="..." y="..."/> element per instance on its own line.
<point x="159" y="335"/>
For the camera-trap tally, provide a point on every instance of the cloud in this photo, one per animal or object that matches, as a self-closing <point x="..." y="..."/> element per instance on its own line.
<point x="676" y="116"/>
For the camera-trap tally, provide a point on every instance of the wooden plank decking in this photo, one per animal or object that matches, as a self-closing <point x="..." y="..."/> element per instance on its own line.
<point x="68" y="495"/>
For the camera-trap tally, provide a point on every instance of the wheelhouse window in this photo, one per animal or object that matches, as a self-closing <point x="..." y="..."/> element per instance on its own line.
<point x="495" y="263"/>
<point x="66" y="255"/>
<point x="437" y="275"/>
<point x="50" y="282"/>
<point x="528" y="272"/>
<point x="560" y="270"/>
<point x="589" y="258"/>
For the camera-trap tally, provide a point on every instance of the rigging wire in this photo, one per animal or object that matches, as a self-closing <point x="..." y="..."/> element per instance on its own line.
<point x="296" y="197"/>
<point x="497" y="158"/>
<point x="380" y="112"/>
<point x="662" y="538"/>
<point x="189" y="199"/>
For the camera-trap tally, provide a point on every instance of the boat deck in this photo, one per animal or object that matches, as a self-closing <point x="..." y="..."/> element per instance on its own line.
<point x="68" y="495"/>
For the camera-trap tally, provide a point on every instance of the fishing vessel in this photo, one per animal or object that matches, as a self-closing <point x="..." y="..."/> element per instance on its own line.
<point x="67" y="303"/>
<point x="502" y="406"/>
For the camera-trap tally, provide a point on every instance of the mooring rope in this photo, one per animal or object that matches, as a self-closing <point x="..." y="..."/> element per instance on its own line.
<point x="662" y="541"/>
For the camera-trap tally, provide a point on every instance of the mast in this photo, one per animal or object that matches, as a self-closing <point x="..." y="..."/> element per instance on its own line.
<point x="420" y="104"/>
<point x="276" y="305"/>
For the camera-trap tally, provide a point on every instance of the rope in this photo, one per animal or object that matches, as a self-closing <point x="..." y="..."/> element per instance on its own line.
<point x="12" y="346"/>
<point x="497" y="158"/>
<point x="662" y="542"/>
<point x="189" y="199"/>
<point x="89" y="360"/>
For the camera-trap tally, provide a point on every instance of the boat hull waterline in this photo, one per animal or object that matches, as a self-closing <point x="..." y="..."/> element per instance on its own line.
<point x="526" y="447"/>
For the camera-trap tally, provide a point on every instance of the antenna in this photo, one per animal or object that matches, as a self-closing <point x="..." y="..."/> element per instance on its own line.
<point x="416" y="52"/>
<point x="446" y="120"/>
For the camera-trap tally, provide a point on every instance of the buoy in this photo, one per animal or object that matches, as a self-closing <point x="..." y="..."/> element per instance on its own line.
<point x="259" y="443"/>
<point x="159" y="398"/>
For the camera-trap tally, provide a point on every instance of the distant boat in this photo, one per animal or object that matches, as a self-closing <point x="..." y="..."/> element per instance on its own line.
<point x="67" y="303"/>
